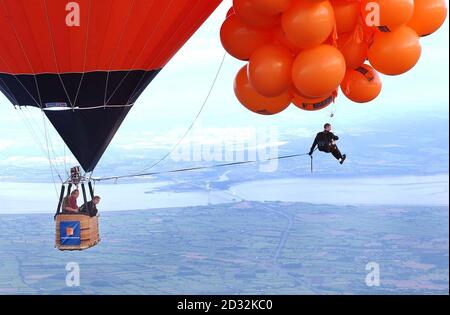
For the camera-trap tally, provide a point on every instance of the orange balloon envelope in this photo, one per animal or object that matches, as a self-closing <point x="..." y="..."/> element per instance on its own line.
<point x="347" y="14"/>
<point x="256" y="102"/>
<point x="361" y="85"/>
<point x="429" y="15"/>
<point x="270" y="7"/>
<point x="312" y="104"/>
<point x="230" y="12"/>
<point x="240" y="40"/>
<point x="318" y="71"/>
<point x="396" y="52"/>
<point x="353" y="48"/>
<point x="246" y="11"/>
<point x="279" y="38"/>
<point x="270" y="70"/>
<point x="387" y="14"/>
<point x="308" y="23"/>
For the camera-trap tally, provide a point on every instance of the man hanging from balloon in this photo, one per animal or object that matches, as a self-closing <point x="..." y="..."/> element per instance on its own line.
<point x="326" y="142"/>
<point x="302" y="51"/>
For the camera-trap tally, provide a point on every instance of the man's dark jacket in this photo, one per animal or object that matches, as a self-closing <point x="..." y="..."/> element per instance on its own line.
<point x="324" y="141"/>
<point x="90" y="209"/>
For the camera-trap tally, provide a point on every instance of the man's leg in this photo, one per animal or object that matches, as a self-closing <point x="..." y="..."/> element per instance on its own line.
<point x="336" y="153"/>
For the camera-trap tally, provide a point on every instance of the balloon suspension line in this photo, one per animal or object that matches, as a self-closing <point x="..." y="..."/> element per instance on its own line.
<point x="191" y="126"/>
<point x="52" y="170"/>
<point x="34" y="132"/>
<point x="201" y="168"/>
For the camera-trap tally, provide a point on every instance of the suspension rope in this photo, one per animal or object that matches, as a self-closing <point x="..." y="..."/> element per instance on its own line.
<point x="65" y="159"/>
<point x="42" y="130"/>
<point x="49" y="157"/>
<point x="33" y="135"/>
<point x="30" y="123"/>
<point x="200" y="168"/>
<point x="48" y="141"/>
<point x="183" y="137"/>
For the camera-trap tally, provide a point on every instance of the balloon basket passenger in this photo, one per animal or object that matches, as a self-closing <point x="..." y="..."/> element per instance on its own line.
<point x="77" y="228"/>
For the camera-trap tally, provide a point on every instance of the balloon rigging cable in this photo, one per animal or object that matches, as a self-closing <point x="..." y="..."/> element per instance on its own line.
<point x="201" y="168"/>
<point x="208" y="96"/>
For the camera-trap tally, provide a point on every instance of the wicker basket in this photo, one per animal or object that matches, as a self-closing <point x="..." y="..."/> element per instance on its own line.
<point x="76" y="232"/>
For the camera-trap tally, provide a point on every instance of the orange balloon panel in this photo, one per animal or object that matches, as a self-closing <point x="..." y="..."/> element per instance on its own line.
<point x="113" y="34"/>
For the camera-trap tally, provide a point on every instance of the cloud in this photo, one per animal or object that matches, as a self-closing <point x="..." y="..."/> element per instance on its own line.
<point x="387" y="146"/>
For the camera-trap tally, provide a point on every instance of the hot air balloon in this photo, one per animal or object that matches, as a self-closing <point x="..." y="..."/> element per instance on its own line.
<point x="84" y="64"/>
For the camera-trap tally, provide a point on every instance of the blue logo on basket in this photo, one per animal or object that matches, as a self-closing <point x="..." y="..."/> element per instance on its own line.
<point x="70" y="233"/>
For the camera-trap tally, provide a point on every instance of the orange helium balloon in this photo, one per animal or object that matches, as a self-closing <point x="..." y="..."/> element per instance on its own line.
<point x="361" y="85"/>
<point x="387" y="14"/>
<point x="270" y="70"/>
<point x="246" y="11"/>
<point x="395" y="52"/>
<point x="256" y="102"/>
<point x="354" y="49"/>
<point x="279" y="38"/>
<point x="429" y="15"/>
<point x="312" y="104"/>
<point x="270" y="7"/>
<point x="240" y="40"/>
<point x="318" y="71"/>
<point x="308" y="23"/>
<point x="230" y="12"/>
<point x="347" y="14"/>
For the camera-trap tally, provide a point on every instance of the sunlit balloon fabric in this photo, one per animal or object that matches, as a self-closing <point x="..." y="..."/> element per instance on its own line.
<point x="87" y="75"/>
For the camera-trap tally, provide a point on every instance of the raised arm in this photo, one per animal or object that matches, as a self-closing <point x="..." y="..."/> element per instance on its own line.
<point x="315" y="143"/>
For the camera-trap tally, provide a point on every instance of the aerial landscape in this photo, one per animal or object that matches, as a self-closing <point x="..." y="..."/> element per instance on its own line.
<point x="239" y="248"/>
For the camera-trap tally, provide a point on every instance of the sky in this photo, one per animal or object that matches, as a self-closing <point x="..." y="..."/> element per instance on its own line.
<point x="169" y="105"/>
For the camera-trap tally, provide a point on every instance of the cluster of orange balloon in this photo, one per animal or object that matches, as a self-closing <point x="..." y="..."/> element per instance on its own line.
<point x="302" y="51"/>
